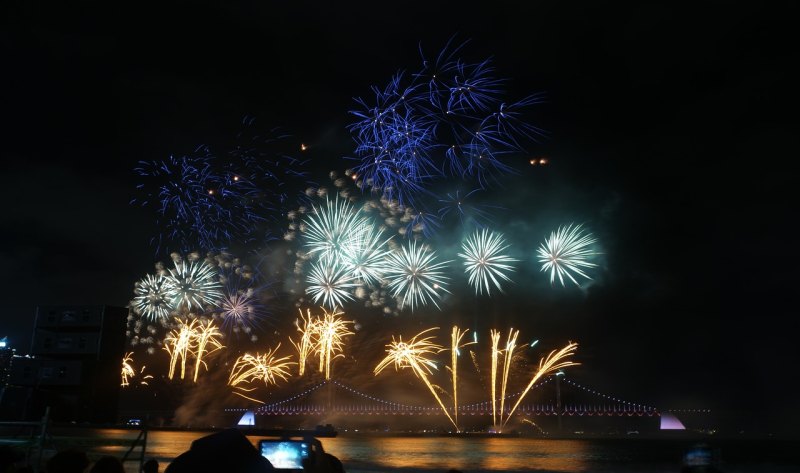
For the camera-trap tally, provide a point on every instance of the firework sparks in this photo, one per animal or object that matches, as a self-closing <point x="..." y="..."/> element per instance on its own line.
<point x="127" y="369"/>
<point x="151" y="297"/>
<point x="305" y="346"/>
<point x="367" y="255"/>
<point x="567" y="251"/>
<point x="331" y="230"/>
<point x="415" y="354"/>
<point x="206" y="341"/>
<point x="331" y="332"/>
<point x="330" y="282"/>
<point x="193" y="284"/>
<point x="554" y="361"/>
<point x="508" y="354"/>
<point x="178" y="344"/>
<point x="484" y="260"/>
<point x="455" y="346"/>
<point x="495" y="336"/>
<point x="194" y="339"/>
<point x="252" y="368"/>
<point x="323" y="336"/>
<point x="128" y="372"/>
<point x="414" y="277"/>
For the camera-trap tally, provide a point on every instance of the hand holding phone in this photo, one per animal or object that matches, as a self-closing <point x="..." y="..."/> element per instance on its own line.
<point x="285" y="454"/>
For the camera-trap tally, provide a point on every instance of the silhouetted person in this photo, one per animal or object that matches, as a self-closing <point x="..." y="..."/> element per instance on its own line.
<point x="150" y="466"/>
<point x="226" y="451"/>
<point x="67" y="461"/>
<point x="108" y="464"/>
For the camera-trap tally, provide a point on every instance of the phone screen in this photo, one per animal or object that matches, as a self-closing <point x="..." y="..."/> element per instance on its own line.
<point x="284" y="454"/>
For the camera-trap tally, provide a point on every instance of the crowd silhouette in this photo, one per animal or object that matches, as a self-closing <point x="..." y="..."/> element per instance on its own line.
<point x="228" y="451"/>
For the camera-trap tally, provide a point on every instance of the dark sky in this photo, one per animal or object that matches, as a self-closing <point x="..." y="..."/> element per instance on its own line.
<point x="671" y="131"/>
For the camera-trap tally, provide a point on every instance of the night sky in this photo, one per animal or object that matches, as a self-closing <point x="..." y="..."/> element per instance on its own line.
<point x="670" y="131"/>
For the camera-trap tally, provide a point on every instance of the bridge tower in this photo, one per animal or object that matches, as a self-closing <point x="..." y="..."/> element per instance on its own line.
<point x="558" y="399"/>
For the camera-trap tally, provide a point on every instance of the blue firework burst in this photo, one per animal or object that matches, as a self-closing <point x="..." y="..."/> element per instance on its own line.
<point x="451" y="118"/>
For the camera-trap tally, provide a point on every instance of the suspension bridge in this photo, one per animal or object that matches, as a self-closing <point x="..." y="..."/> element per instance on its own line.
<point x="565" y="398"/>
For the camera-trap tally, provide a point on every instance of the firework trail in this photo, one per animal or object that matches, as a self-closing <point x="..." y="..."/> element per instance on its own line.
<point x="415" y="354"/>
<point x="508" y="354"/>
<point x="413" y="276"/>
<point x="323" y="335"/>
<point x="252" y="368"/>
<point x="178" y="344"/>
<point x="495" y="336"/>
<point x="191" y="339"/>
<point x="128" y="372"/>
<point x="554" y="361"/>
<point x="566" y="251"/>
<point x="206" y="341"/>
<point x="455" y="346"/>
<point x="331" y="330"/>
<point x="308" y="339"/>
<point x="484" y="260"/>
<point x="127" y="368"/>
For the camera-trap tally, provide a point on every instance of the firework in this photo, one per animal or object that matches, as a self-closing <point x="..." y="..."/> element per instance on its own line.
<point x="367" y="254"/>
<point x="567" y="251"/>
<point x="554" y="361"/>
<point x="495" y="336"/>
<point x="308" y="339"/>
<point x="469" y="214"/>
<point x="213" y="196"/>
<point x="484" y="260"/>
<point x="449" y="104"/>
<point x="252" y="368"/>
<point x="193" y="284"/>
<point x="331" y="331"/>
<point x="330" y="282"/>
<point x="455" y="346"/>
<point x="415" y="354"/>
<point x="128" y="372"/>
<point x="127" y="369"/>
<point x="321" y="335"/>
<point x="206" y="341"/>
<point x="332" y="230"/>
<point x="508" y="354"/>
<point x="178" y="343"/>
<point x="151" y="297"/>
<point x="194" y="339"/>
<point x="413" y="276"/>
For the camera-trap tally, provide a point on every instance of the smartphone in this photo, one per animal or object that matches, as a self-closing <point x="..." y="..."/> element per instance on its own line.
<point x="284" y="454"/>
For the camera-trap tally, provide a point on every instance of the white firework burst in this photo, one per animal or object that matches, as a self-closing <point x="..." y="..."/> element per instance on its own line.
<point x="414" y="277"/>
<point x="193" y="284"/>
<point x="331" y="230"/>
<point x="366" y="260"/>
<point x="330" y="282"/>
<point x="567" y="251"/>
<point x="484" y="260"/>
<point x="151" y="297"/>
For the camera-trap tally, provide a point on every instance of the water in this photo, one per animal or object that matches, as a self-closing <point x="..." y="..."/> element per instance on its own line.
<point x="365" y="454"/>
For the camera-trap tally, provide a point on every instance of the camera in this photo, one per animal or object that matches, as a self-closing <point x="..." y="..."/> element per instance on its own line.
<point x="285" y="453"/>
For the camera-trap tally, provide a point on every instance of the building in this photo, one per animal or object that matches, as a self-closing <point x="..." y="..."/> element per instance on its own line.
<point x="73" y="367"/>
